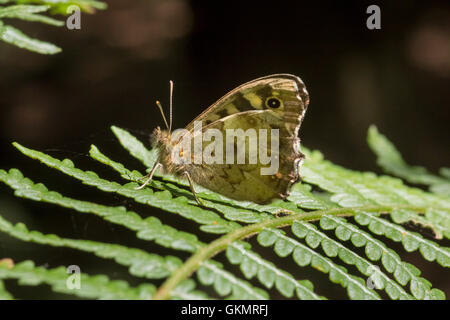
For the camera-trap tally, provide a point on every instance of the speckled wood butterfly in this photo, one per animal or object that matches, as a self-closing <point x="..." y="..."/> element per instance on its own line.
<point x="275" y="103"/>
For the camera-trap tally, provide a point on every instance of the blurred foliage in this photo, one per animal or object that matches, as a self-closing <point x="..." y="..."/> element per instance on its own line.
<point x="30" y="10"/>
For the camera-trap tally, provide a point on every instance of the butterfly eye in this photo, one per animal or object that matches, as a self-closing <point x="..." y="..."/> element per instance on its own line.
<point x="273" y="102"/>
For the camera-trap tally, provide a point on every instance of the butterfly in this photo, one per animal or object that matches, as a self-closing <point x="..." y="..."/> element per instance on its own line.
<point x="274" y="103"/>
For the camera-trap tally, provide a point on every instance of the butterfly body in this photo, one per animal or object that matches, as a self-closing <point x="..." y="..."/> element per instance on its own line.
<point x="275" y="103"/>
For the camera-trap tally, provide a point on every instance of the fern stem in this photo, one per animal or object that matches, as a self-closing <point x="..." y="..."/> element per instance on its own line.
<point x="194" y="262"/>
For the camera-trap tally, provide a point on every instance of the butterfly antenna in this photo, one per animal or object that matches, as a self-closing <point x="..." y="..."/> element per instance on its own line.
<point x="170" y="105"/>
<point x="162" y="113"/>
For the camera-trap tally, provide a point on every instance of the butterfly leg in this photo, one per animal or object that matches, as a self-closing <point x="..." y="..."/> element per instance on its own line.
<point x="149" y="176"/>
<point x="191" y="183"/>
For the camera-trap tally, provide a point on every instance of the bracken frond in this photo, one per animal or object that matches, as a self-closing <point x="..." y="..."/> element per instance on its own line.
<point x="337" y="221"/>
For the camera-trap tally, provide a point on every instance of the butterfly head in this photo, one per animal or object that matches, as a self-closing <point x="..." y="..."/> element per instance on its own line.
<point x="160" y="139"/>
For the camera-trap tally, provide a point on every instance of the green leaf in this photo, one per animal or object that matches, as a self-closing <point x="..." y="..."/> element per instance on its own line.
<point x="304" y="256"/>
<point x="391" y="161"/>
<point x="376" y="250"/>
<point x="140" y="263"/>
<point x="14" y="36"/>
<point x="135" y="147"/>
<point x="98" y="287"/>
<point x="411" y="240"/>
<point x="28" y="13"/>
<point x="148" y="229"/>
<point x="211" y="272"/>
<point x="4" y="294"/>
<point x="268" y="274"/>
<point x="186" y="291"/>
<point x="338" y="193"/>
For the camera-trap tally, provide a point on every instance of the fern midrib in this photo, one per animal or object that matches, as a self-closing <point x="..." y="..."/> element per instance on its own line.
<point x="215" y="247"/>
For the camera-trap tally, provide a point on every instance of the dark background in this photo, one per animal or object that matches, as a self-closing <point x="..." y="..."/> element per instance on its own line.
<point x="112" y="70"/>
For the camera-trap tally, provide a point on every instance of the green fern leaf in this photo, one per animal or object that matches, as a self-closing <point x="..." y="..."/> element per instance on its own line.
<point x="14" y="36"/>
<point x="186" y="291"/>
<point x="212" y="273"/>
<point x="4" y="295"/>
<point x="141" y="263"/>
<point x="304" y="256"/>
<point x="267" y="273"/>
<point x="411" y="240"/>
<point x="29" y="13"/>
<point x="149" y="229"/>
<point x="338" y="193"/>
<point x="391" y="161"/>
<point x="99" y="287"/>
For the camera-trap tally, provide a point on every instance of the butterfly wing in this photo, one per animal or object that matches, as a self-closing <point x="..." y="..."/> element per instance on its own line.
<point x="246" y="181"/>
<point x="253" y="95"/>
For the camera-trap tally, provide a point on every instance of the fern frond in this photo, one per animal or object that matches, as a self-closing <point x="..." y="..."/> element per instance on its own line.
<point x="303" y="256"/>
<point x="29" y="13"/>
<point x="353" y="189"/>
<point x="186" y="291"/>
<point x="267" y="273"/>
<point x="301" y="195"/>
<point x="161" y="199"/>
<point x="60" y="6"/>
<point x="212" y="273"/>
<point x="338" y="193"/>
<point x="140" y="263"/>
<point x="375" y="250"/>
<point x="4" y="294"/>
<point x="391" y="161"/>
<point x="29" y="10"/>
<point x="14" y="36"/>
<point x="411" y="241"/>
<point x="148" y="229"/>
<point x="94" y="287"/>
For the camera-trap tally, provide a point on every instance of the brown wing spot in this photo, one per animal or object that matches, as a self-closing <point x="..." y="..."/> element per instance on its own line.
<point x="223" y="113"/>
<point x="278" y="175"/>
